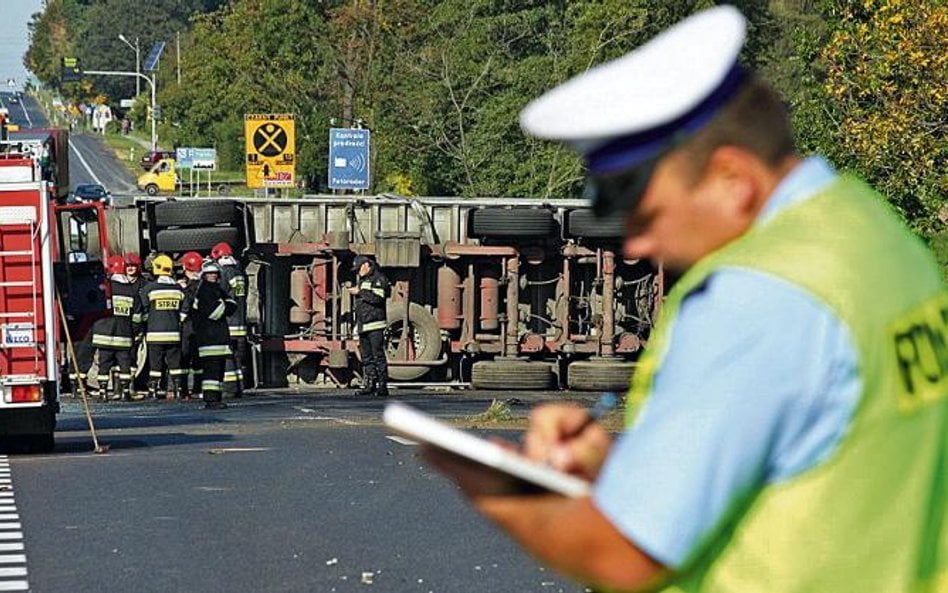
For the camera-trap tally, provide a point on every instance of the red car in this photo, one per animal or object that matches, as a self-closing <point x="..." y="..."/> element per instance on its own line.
<point x="153" y="156"/>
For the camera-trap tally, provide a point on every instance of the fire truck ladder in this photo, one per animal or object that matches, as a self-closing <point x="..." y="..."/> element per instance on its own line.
<point x="23" y="216"/>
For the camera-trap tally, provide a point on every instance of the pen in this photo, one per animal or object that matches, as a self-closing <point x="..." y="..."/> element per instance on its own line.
<point x="605" y="403"/>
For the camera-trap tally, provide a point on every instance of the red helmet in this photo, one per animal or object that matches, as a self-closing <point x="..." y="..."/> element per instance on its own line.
<point x="115" y="264"/>
<point x="132" y="259"/>
<point x="220" y="250"/>
<point x="192" y="261"/>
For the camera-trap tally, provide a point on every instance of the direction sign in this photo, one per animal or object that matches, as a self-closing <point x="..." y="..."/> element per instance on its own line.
<point x="271" y="150"/>
<point x="349" y="158"/>
<point x="196" y="158"/>
<point x="151" y="61"/>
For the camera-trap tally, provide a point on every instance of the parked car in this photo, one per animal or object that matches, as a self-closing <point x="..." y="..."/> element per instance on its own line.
<point x="153" y="157"/>
<point x="90" y="192"/>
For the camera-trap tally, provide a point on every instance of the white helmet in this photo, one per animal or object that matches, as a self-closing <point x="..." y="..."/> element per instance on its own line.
<point x="210" y="267"/>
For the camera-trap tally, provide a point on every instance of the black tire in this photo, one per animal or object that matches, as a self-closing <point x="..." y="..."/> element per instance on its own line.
<point x="41" y="443"/>
<point x="511" y="375"/>
<point x="600" y="375"/>
<point x="223" y="190"/>
<point x="201" y="239"/>
<point x="584" y="223"/>
<point x="195" y="213"/>
<point x="513" y="222"/>
<point x="151" y="190"/>
<point x="424" y="335"/>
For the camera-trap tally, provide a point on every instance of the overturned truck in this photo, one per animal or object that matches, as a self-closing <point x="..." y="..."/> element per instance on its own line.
<point x="491" y="293"/>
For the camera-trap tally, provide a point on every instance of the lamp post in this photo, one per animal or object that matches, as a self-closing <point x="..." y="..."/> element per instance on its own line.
<point x="138" y="61"/>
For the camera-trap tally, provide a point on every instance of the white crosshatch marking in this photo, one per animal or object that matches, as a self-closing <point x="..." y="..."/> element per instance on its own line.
<point x="13" y="570"/>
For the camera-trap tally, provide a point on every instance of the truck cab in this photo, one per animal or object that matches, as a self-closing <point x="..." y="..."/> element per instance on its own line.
<point x="162" y="177"/>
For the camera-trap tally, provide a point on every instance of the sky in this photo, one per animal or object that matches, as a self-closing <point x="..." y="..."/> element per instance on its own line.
<point x="14" y="38"/>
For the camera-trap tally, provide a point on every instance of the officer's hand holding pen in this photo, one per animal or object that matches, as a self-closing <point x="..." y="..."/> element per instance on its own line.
<point x="568" y="437"/>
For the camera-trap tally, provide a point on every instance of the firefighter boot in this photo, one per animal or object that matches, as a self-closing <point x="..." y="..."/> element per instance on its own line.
<point x="368" y="383"/>
<point x="176" y="392"/>
<point x="153" y="390"/>
<point x="116" y="393"/>
<point x="382" y="389"/>
<point x="125" y="389"/>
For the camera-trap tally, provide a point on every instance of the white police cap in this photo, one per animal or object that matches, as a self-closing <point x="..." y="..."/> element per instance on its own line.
<point x="627" y="112"/>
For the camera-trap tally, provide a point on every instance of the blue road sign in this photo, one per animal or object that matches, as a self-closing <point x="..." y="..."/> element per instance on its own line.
<point x="195" y="158"/>
<point x="349" y="158"/>
<point x="151" y="61"/>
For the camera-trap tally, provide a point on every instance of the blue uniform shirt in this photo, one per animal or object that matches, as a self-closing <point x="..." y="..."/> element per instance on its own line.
<point x="759" y="384"/>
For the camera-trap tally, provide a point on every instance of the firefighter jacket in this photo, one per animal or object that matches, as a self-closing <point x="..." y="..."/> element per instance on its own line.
<point x="117" y="333"/>
<point x="369" y="308"/>
<point x="234" y="282"/>
<point x="209" y="314"/>
<point x="162" y="302"/>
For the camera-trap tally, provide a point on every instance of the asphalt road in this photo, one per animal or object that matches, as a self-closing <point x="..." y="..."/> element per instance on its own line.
<point x="282" y="492"/>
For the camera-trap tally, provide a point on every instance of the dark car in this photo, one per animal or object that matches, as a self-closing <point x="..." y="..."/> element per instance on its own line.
<point x="90" y="192"/>
<point x="153" y="156"/>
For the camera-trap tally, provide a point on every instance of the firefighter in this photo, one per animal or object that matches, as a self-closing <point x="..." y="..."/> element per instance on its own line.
<point x="191" y="263"/>
<point x="234" y="283"/>
<point x="133" y="270"/>
<point x="371" y="291"/>
<point x="112" y="336"/>
<point x="209" y="313"/>
<point x="161" y="301"/>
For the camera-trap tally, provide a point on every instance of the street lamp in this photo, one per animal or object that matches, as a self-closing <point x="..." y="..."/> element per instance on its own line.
<point x="138" y="61"/>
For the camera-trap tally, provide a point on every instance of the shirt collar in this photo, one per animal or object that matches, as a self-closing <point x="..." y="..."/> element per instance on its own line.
<point x="804" y="181"/>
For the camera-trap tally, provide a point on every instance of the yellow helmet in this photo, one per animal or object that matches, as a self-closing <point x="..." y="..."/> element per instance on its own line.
<point x="162" y="265"/>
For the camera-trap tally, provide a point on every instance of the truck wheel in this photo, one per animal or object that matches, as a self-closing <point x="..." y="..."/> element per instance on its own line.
<point x="511" y="374"/>
<point x="583" y="223"/>
<point x="223" y="190"/>
<point x="151" y="190"/>
<point x="202" y="239"/>
<point x="195" y="213"/>
<point x="423" y="343"/>
<point x="513" y="222"/>
<point x="600" y="375"/>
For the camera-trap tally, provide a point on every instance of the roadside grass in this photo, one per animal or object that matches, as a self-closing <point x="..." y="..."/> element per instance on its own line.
<point x="939" y="245"/>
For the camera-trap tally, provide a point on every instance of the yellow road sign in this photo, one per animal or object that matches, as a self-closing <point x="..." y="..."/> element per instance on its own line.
<point x="271" y="150"/>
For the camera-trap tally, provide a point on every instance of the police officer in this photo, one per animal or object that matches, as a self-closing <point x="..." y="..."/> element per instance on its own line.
<point x="191" y="263"/>
<point x="209" y="313"/>
<point x="371" y="290"/>
<point x="234" y="282"/>
<point x="162" y="303"/>
<point x="112" y="336"/>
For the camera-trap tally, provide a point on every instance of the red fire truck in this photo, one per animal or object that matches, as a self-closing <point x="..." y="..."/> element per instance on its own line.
<point x="35" y="230"/>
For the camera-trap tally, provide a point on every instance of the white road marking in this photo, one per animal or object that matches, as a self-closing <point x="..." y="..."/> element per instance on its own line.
<point x="85" y="164"/>
<point x="26" y="114"/>
<point x="12" y="566"/>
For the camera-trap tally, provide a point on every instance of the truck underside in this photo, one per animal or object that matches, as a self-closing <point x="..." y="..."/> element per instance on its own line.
<point x="495" y="293"/>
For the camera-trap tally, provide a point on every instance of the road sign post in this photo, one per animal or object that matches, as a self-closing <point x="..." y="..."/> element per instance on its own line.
<point x="349" y="158"/>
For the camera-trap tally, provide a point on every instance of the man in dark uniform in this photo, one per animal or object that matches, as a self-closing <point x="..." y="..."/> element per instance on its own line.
<point x="371" y="291"/>
<point x="133" y="270"/>
<point x="209" y="312"/>
<point x="191" y="263"/>
<point x="234" y="283"/>
<point x="161" y="302"/>
<point x="112" y="336"/>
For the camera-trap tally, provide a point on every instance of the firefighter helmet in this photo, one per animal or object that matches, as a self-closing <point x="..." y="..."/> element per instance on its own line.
<point x="132" y="259"/>
<point x="115" y="265"/>
<point x="220" y="250"/>
<point x="162" y="265"/>
<point x="210" y="267"/>
<point x="192" y="261"/>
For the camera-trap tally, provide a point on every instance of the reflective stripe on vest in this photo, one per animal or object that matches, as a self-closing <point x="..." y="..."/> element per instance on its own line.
<point x="372" y="326"/>
<point x="872" y="517"/>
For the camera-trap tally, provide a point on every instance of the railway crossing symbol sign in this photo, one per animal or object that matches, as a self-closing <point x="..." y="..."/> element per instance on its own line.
<point x="271" y="150"/>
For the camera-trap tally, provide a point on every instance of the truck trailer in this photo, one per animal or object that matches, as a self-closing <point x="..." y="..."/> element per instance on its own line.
<point x="491" y="293"/>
